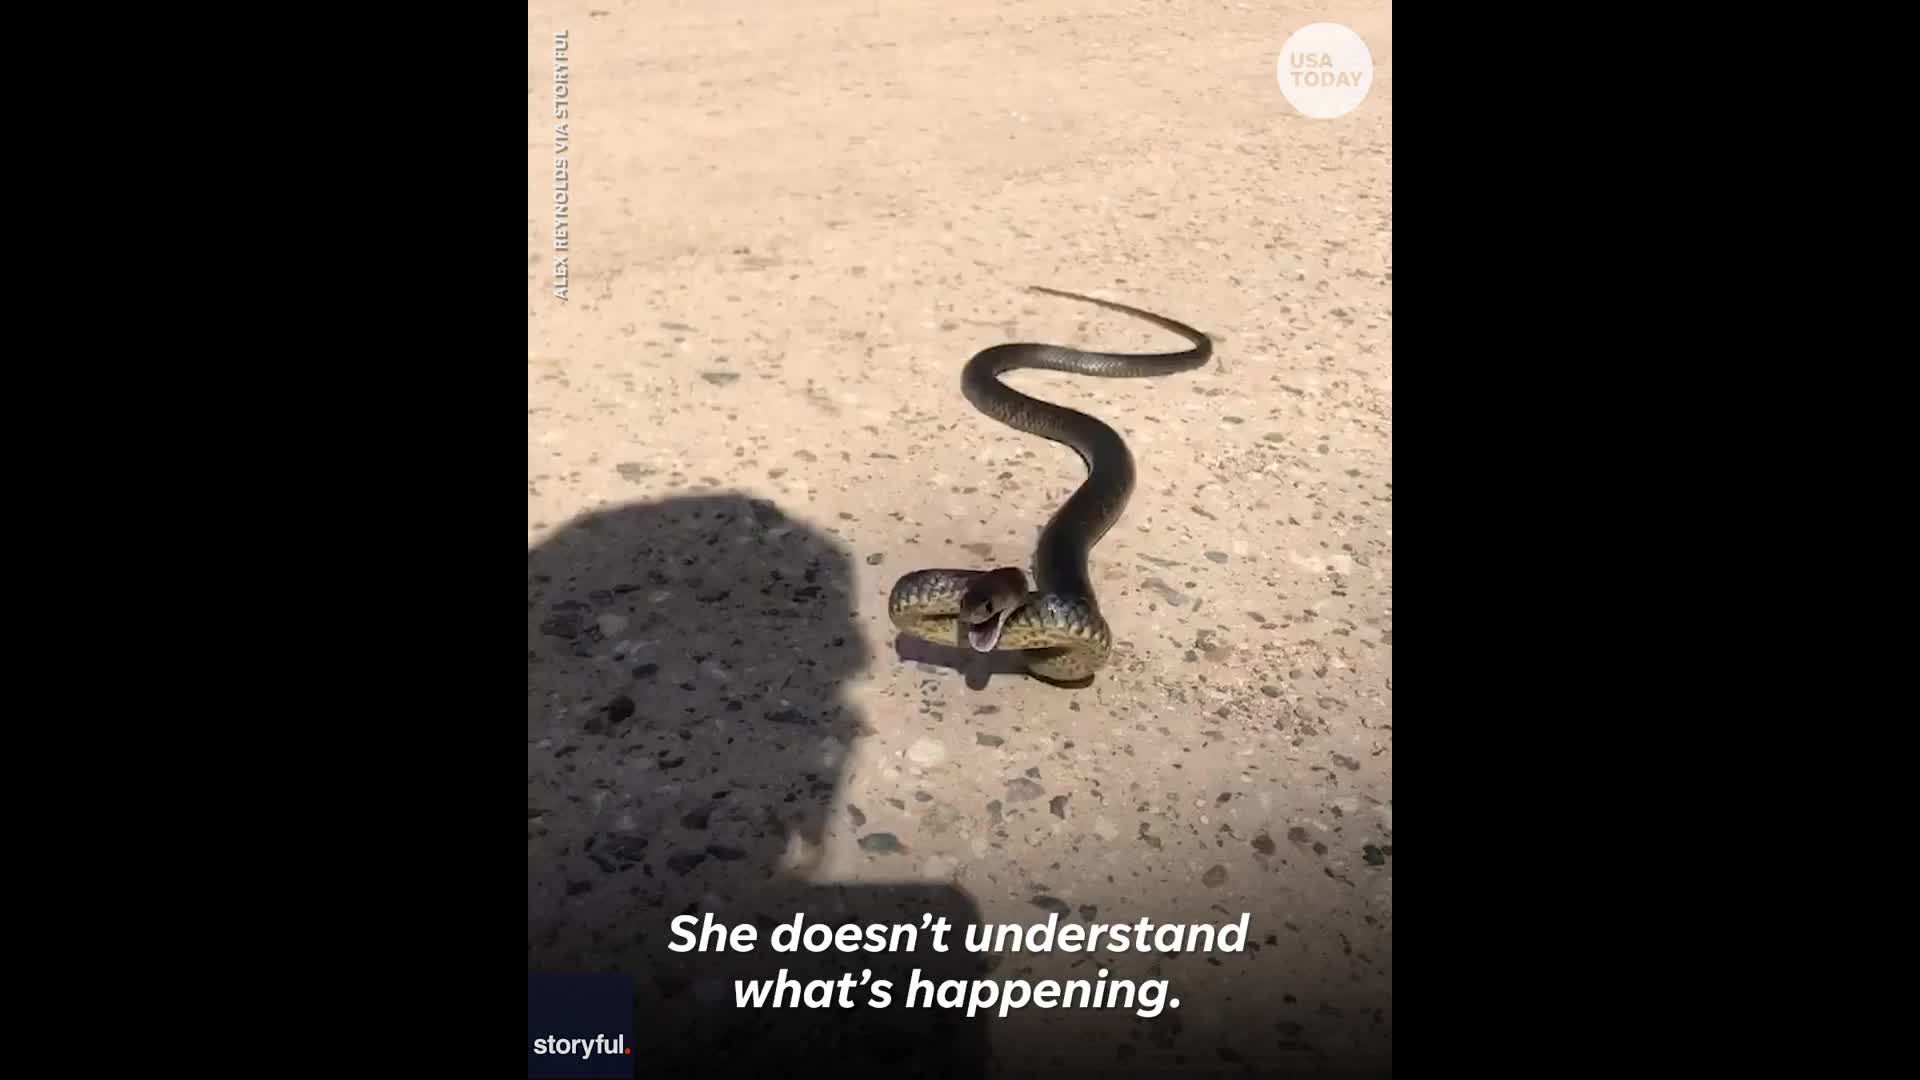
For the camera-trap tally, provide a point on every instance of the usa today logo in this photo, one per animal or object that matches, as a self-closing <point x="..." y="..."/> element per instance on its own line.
<point x="1325" y="70"/>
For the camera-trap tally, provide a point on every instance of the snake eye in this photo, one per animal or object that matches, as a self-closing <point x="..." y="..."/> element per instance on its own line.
<point x="976" y="608"/>
<point x="993" y="593"/>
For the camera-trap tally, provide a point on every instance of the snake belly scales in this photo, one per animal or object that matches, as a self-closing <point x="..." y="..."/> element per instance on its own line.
<point x="1057" y="626"/>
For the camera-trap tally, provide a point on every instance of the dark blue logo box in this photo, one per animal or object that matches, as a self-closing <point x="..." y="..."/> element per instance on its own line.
<point x="580" y="1025"/>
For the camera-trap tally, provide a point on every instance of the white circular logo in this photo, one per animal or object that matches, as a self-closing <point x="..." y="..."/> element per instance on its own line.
<point x="1325" y="70"/>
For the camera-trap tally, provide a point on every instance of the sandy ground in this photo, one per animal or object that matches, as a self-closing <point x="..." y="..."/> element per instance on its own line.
<point x="789" y="225"/>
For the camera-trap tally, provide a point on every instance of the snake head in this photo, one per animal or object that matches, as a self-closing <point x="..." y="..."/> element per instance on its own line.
<point x="985" y="605"/>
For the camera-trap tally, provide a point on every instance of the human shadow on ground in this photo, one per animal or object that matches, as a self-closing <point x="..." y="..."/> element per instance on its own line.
<point x="685" y="732"/>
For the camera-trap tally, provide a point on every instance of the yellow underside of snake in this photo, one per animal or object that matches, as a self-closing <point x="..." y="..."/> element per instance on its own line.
<point x="1057" y="625"/>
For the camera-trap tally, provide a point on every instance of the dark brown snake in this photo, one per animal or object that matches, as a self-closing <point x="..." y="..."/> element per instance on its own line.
<point x="1057" y="625"/>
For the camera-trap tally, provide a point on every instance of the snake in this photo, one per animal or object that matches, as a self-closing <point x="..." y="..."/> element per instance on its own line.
<point x="1057" y="625"/>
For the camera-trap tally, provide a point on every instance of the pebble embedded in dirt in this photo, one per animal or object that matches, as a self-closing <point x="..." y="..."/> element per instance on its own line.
<point x="882" y="843"/>
<point x="927" y="752"/>
<point x="1023" y="790"/>
<point x="1166" y="591"/>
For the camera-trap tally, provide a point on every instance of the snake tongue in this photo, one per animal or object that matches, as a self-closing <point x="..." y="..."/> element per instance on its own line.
<point x="984" y="636"/>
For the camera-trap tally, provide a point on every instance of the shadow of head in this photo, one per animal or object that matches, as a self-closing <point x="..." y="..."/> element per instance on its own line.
<point x="694" y="650"/>
<point x="686" y="733"/>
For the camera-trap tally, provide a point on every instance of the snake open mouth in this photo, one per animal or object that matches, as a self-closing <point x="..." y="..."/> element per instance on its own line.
<point x="984" y="636"/>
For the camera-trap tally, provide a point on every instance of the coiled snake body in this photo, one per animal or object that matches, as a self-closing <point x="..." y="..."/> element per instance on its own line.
<point x="1057" y="625"/>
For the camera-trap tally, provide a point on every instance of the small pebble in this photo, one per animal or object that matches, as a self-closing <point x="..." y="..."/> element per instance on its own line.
<point x="1023" y="790"/>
